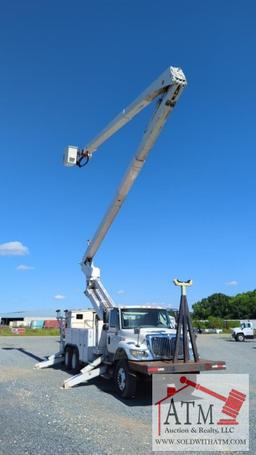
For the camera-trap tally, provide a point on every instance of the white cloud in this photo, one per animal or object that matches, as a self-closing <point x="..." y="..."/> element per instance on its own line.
<point x="23" y="267"/>
<point x="120" y="292"/>
<point x="59" y="297"/>
<point x="232" y="283"/>
<point x="13" y="249"/>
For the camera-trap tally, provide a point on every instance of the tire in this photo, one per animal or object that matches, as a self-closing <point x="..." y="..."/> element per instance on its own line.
<point x="125" y="382"/>
<point x="68" y="358"/>
<point x="75" y="360"/>
<point x="240" y="337"/>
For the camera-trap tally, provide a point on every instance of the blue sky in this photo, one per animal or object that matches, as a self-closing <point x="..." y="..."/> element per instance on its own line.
<point x="67" y="68"/>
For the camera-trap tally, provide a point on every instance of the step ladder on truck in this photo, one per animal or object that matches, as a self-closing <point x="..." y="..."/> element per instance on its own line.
<point x="127" y="343"/>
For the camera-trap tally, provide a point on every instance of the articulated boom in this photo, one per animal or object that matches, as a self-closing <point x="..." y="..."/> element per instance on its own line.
<point x="166" y="90"/>
<point x="96" y="292"/>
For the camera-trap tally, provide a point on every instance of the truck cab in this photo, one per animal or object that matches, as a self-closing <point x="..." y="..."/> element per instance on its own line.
<point x="140" y="333"/>
<point x="245" y="331"/>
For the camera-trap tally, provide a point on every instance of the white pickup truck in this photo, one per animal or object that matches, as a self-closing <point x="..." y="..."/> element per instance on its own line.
<point x="245" y="331"/>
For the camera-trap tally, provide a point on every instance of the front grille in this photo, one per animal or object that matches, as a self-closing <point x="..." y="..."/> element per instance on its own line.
<point x="163" y="346"/>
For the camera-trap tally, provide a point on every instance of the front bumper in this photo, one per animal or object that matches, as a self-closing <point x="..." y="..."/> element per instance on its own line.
<point x="169" y="367"/>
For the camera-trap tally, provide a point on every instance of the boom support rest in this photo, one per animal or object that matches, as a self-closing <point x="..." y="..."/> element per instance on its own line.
<point x="184" y="325"/>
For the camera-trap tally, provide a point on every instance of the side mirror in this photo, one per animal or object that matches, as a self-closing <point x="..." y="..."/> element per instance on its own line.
<point x="105" y="326"/>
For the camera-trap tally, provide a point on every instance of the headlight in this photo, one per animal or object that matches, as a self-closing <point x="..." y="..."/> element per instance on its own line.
<point x="138" y="353"/>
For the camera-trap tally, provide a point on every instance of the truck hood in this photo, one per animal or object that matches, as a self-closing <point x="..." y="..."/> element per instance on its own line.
<point x="128" y="334"/>
<point x="236" y="329"/>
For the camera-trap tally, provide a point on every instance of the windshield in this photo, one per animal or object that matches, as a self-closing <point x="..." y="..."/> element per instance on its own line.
<point x="132" y="318"/>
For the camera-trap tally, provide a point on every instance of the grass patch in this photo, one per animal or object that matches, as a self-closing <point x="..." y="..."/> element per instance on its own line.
<point x="6" y="331"/>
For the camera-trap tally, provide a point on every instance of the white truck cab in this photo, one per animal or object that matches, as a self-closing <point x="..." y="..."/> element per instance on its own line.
<point x="245" y="331"/>
<point x="141" y="333"/>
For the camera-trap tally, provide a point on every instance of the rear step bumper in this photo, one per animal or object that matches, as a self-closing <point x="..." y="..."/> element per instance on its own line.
<point x="167" y="366"/>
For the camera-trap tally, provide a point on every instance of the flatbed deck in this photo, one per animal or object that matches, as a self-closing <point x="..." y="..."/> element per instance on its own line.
<point x="168" y="366"/>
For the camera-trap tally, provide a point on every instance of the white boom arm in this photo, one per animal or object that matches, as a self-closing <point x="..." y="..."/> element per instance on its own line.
<point x="167" y="89"/>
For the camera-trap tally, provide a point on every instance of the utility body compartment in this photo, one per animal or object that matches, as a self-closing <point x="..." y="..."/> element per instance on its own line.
<point x="83" y="331"/>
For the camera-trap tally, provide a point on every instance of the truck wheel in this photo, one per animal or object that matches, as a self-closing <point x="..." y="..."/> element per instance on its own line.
<point x="68" y="358"/>
<point x="240" y="337"/>
<point x="125" y="382"/>
<point x="75" y="360"/>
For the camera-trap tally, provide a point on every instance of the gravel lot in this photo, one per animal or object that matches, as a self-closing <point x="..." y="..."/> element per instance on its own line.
<point x="38" y="417"/>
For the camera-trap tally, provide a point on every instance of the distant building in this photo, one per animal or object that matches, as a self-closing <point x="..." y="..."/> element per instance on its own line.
<point x="20" y="320"/>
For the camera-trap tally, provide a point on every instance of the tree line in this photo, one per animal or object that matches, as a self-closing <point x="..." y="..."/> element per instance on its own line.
<point x="240" y="306"/>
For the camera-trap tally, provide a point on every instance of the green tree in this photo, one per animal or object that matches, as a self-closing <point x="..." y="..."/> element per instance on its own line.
<point x="217" y="305"/>
<point x="240" y="306"/>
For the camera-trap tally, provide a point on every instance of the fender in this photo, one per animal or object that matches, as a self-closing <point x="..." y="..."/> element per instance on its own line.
<point x="120" y="354"/>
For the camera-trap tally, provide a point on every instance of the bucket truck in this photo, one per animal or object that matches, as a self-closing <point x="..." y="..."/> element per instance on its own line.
<point x="125" y="343"/>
